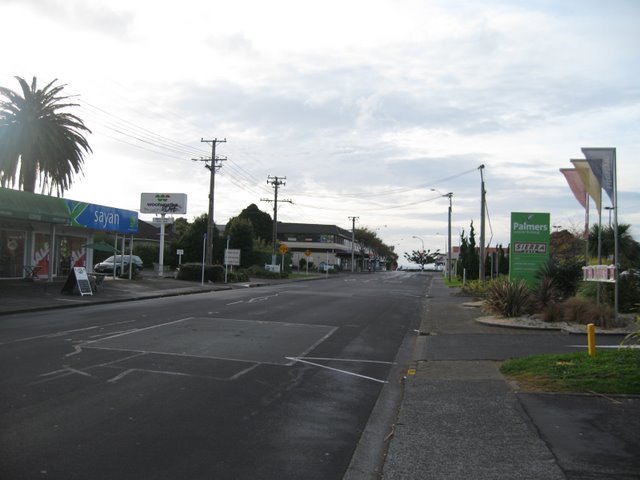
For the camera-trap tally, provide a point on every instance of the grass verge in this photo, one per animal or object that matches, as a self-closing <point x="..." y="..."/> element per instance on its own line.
<point x="610" y="371"/>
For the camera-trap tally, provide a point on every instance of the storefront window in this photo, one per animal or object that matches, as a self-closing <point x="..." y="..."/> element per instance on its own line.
<point x="12" y="244"/>
<point x="70" y="253"/>
<point x="42" y="254"/>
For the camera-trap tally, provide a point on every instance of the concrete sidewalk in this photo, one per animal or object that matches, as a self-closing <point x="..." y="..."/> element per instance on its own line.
<point x="461" y="419"/>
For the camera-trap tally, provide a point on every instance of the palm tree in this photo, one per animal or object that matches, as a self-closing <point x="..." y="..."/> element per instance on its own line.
<point x="38" y="142"/>
<point x="629" y="248"/>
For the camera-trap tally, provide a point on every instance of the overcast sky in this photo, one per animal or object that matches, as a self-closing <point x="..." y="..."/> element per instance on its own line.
<point x="363" y="105"/>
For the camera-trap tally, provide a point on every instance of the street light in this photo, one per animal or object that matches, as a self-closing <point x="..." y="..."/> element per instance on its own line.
<point x="421" y="253"/>
<point x="448" y="195"/>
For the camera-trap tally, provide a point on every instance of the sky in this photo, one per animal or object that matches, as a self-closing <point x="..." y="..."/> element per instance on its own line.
<point x="371" y="109"/>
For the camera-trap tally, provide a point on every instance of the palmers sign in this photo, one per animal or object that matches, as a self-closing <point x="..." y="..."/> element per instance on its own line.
<point x="163" y="203"/>
<point x="530" y="236"/>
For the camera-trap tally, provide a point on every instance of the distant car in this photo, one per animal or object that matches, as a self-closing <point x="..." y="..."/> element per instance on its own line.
<point x="106" y="266"/>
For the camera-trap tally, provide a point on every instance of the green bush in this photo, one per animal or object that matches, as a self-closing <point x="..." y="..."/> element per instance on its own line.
<point x="238" y="276"/>
<point x="585" y="310"/>
<point x="259" y="272"/>
<point x="545" y="295"/>
<point x="628" y="293"/>
<point x="474" y="288"/>
<point x="565" y="275"/>
<point x="193" y="272"/>
<point x="507" y="298"/>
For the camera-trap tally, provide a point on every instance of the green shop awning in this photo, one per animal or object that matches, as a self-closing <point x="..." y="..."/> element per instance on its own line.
<point x="30" y="206"/>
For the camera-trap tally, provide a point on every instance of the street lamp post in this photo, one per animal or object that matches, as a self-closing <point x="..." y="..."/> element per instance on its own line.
<point x="449" y="196"/>
<point x="421" y="253"/>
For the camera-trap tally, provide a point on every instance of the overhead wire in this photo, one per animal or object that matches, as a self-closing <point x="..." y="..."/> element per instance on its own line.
<point x="235" y="173"/>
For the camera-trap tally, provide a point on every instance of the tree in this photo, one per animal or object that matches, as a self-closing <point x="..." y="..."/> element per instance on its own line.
<point x="261" y="221"/>
<point x="242" y="236"/>
<point x="192" y="239"/>
<point x="422" y="257"/>
<point x="369" y="240"/>
<point x="38" y="142"/>
<point x="629" y="249"/>
<point x="469" y="258"/>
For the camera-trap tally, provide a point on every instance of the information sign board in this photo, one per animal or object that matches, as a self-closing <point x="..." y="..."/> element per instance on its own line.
<point x="530" y="236"/>
<point x="231" y="257"/>
<point x="163" y="203"/>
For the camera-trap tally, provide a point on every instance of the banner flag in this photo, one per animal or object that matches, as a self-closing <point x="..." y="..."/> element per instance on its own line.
<point x="590" y="182"/>
<point x="576" y="185"/>
<point x="603" y="165"/>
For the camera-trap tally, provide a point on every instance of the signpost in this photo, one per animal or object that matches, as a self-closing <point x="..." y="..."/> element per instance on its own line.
<point x="283" y="249"/>
<point x="529" y="251"/>
<point x="163" y="203"/>
<point x="231" y="257"/>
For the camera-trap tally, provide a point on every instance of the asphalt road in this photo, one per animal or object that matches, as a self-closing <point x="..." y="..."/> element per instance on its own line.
<point x="269" y="383"/>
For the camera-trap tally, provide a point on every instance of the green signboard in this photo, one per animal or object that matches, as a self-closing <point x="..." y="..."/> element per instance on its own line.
<point x="530" y="234"/>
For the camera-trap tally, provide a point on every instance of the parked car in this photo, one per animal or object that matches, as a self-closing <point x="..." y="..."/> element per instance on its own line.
<point x="106" y="266"/>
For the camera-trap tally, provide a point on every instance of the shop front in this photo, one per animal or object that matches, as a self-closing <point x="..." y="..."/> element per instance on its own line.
<point x="45" y="237"/>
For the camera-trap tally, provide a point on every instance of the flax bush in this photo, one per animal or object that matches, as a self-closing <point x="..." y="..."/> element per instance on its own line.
<point x="507" y="298"/>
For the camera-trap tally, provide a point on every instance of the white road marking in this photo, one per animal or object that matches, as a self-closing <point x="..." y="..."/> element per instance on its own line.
<point x="346" y="360"/>
<point x="65" y="332"/>
<point x="298" y="359"/>
<point x="136" y="330"/>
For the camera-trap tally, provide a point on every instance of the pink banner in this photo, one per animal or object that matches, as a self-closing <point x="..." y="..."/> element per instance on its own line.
<point x="576" y="185"/>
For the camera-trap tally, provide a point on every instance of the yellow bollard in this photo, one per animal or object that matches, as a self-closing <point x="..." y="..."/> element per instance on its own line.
<point x="591" y="339"/>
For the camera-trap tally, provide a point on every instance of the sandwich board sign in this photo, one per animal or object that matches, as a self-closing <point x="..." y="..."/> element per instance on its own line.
<point x="78" y="278"/>
<point x="529" y="249"/>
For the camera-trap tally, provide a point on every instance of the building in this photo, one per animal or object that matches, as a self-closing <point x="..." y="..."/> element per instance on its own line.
<point x="322" y="245"/>
<point x="46" y="236"/>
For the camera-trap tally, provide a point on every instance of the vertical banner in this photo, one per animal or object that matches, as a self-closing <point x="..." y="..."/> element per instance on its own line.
<point x="529" y="251"/>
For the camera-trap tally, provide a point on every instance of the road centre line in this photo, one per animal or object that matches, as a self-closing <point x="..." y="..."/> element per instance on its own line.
<point x="298" y="359"/>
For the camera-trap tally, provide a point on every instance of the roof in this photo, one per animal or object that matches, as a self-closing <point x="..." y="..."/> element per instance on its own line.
<point x="312" y="228"/>
<point x="30" y="206"/>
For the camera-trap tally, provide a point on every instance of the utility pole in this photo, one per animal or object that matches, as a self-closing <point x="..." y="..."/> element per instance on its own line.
<point x="215" y="165"/>
<point x="353" y="241"/>
<point x="450" y="194"/>
<point x="275" y="182"/>
<point x="482" y="212"/>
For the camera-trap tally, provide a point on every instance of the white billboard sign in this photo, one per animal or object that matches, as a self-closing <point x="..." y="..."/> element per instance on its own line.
<point x="163" y="203"/>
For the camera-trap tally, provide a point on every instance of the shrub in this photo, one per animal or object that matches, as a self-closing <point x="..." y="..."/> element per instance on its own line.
<point x="584" y="311"/>
<point x="507" y="298"/>
<point x="259" y="272"/>
<point x="238" y="276"/>
<point x="566" y="276"/>
<point x="628" y="292"/>
<point x="545" y="294"/>
<point x="474" y="288"/>
<point x="193" y="272"/>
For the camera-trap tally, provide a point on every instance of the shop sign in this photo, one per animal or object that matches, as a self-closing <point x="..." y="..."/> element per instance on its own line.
<point x="103" y="218"/>
<point x="163" y="203"/>
<point x="530" y="237"/>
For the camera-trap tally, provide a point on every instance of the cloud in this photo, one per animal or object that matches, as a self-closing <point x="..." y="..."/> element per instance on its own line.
<point x="80" y="14"/>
